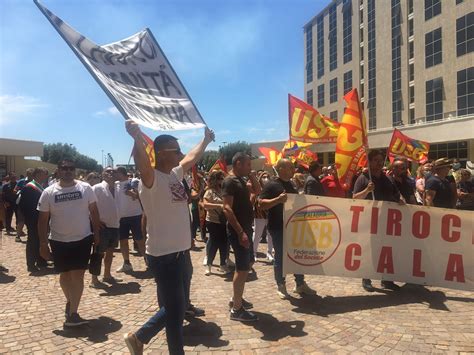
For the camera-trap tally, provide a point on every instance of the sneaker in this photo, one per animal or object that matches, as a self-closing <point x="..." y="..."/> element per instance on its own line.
<point x="74" y="320"/>
<point x="194" y="311"/>
<point x="230" y="263"/>
<point x="133" y="344"/>
<point x="245" y="304"/>
<point x="304" y="289"/>
<point x="111" y="280"/>
<point x="17" y="239"/>
<point x="367" y="285"/>
<point x="270" y="258"/>
<point x="204" y="261"/>
<point x="390" y="285"/>
<point x="208" y="270"/>
<point x="242" y="315"/>
<point x="33" y="269"/>
<point x="125" y="268"/>
<point x="21" y="234"/>
<point x="97" y="285"/>
<point x="282" y="292"/>
<point x="225" y="269"/>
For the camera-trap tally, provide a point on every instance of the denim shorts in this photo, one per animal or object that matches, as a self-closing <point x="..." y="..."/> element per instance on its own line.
<point x="133" y="224"/>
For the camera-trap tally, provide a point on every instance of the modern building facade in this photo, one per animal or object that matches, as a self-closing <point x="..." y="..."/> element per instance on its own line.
<point x="412" y="62"/>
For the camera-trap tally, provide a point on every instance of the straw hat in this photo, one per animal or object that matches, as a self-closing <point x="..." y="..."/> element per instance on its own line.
<point x="442" y="163"/>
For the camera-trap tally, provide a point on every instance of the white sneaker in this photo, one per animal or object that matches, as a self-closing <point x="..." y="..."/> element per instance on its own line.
<point x="204" y="261"/>
<point x="225" y="269"/>
<point x="208" y="270"/>
<point x="230" y="263"/>
<point x="270" y="257"/>
<point x="125" y="268"/>
<point x="304" y="289"/>
<point x="282" y="292"/>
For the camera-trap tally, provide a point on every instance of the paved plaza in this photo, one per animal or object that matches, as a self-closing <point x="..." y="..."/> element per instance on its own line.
<point x="343" y="317"/>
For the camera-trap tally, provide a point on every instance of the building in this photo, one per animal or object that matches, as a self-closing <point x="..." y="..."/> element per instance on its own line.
<point x="18" y="155"/>
<point x="412" y="63"/>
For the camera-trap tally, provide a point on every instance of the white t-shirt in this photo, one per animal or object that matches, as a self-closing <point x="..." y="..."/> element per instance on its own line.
<point x="166" y="208"/>
<point x="69" y="210"/>
<point x="107" y="205"/>
<point x="127" y="206"/>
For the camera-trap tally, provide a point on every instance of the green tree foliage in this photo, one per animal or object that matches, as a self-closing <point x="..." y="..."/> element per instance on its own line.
<point x="229" y="150"/>
<point x="208" y="159"/>
<point x="55" y="152"/>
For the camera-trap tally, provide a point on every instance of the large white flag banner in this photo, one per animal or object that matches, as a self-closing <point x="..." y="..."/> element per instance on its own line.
<point x="378" y="240"/>
<point x="137" y="77"/>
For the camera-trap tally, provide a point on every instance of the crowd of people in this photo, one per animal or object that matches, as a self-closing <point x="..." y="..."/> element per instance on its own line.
<point x="163" y="208"/>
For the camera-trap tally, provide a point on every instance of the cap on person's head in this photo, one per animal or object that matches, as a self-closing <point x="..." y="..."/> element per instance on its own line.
<point x="239" y="156"/>
<point x="442" y="163"/>
<point x="314" y="166"/>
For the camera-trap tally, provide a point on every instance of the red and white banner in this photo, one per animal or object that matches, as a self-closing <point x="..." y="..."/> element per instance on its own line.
<point x="378" y="240"/>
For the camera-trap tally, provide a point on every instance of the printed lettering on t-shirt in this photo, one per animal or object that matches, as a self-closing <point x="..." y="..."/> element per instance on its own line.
<point x="178" y="193"/>
<point x="68" y="196"/>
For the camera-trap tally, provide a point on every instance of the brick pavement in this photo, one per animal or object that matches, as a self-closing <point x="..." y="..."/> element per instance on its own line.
<point x="343" y="319"/>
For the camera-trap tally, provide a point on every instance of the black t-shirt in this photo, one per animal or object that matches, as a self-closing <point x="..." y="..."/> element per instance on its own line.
<point x="385" y="190"/>
<point x="405" y="188"/>
<point x="9" y="194"/>
<point x="28" y="204"/>
<point x="242" y="207"/>
<point x="444" y="193"/>
<point x="271" y="190"/>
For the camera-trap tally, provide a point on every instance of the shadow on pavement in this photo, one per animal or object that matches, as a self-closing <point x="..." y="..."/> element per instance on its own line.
<point x="273" y="330"/>
<point x="336" y="305"/>
<point x="118" y="289"/>
<point x="199" y="332"/>
<point x="96" y="330"/>
<point x="43" y="272"/>
<point x="141" y="275"/>
<point x="5" y="278"/>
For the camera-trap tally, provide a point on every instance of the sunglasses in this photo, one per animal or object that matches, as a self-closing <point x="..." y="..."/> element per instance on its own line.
<point x="175" y="150"/>
<point x="67" y="168"/>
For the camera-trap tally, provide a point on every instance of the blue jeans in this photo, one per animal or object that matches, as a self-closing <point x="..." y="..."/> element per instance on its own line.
<point x="169" y="273"/>
<point x="277" y="237"/>
<point x="188" y="275"/>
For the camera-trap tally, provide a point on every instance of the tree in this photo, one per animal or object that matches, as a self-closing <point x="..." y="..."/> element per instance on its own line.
<point x="229" y="150"/>
<point x="55" y="152"/>
<point x="208" y="159"/>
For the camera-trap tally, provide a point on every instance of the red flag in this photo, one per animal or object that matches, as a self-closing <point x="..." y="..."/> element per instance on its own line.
<point x="412" y="149"/>
<point x="308" y="125"/>
<point x="306" y="157"/>
<point x="220" y="164"/>
<point x="150" y="151"/>
<point x="271" y="154"/>
<point x="352" y="141"/>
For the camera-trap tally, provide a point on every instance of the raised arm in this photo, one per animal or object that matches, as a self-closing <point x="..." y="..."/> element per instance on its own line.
<point x="139" y="153"/>
<point x="195" y="154"/>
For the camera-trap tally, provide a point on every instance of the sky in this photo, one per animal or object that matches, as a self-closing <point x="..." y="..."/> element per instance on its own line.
<point x="238" y="60"/>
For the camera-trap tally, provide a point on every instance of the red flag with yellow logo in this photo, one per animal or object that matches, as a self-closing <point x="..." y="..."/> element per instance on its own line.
<point x="352" y="143"/>
<point x="308" y="125"/>
<point x="150" y="151"/>
<point x="220" y="164"/>
<point x="412" y="149"/>
<point x="272" y="155"/>
<point x="306" y="157"/>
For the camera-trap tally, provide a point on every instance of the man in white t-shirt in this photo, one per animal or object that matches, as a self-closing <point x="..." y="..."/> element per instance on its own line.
<point x="109" y="223"/>
<point x="69" y="206"/>
<point x="165" y="204"/>
<point x="130" y="212"/>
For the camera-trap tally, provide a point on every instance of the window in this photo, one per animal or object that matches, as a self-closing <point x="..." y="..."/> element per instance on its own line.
<point x="372" y="92"/>
<point x="361" y="15"/>
<point x="411" y="71"/>
<point x="347" y="30"/>
<point x="331" y="157"/>
<point x="333" y="90"/>
<point x="434" y="99"/>
<point x="410" y="6"/>
<point x="320" y="45"/>
<point x="432" y="8"/>
<point x="361" y="53"/>
<point x="361" y="72"/>
<point x="321" y="95"/>
<point x="361" y="35"/>
<point x="332" y="37"/>
<point x="347" y="81"/>
<point x="361" y="90"/>
<point x="411" y="50"/>
<point x="309" y="97"/>
<point x="451" y="150"/>
<point x="396" y="64"/>
<point x="412" y="116"/>
<point x="459" y="1"/>
<point x="433" y="48"/>
<point x="411" y="28"/>
<point x="465" y="34"/>
<point x="333" y="115"/>
<point x="466" y="91"/>
<point x="309" y="54"/>
<point x="412" y="94"/>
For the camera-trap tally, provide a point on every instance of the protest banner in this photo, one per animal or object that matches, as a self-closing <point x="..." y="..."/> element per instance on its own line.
<point x="352" y="142"/>
<point x="308" y="125"/>
<point x="404" y="146"/>
<point x="378" y="240"/>
<point x="136" y="76"/>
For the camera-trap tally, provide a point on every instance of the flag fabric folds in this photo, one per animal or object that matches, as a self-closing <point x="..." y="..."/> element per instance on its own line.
<point x="271" y="154"/>
<point x="352" y="142"/>
<point x="137" y="77"/>
<point x="409" y="148"/>
<point x="308" y="125"/>
<point x="220" y="164"/>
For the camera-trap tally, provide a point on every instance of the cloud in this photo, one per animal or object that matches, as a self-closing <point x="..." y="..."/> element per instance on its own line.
<point x="14" y="107"/>
<point x="111" y="111"/>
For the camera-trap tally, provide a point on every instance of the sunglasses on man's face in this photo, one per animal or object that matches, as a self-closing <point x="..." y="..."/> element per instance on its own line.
<point x="67" y="168"/>
<point x="175" y="150"/>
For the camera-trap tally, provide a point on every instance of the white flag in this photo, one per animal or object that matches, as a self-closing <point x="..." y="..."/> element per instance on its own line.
<point x="137" y="77"/>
